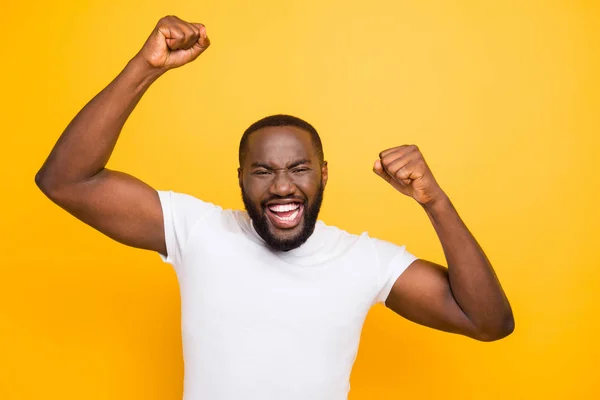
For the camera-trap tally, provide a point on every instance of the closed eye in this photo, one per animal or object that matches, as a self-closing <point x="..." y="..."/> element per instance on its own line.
<point x="261" y="172"/>
<point x="300" y="170"/>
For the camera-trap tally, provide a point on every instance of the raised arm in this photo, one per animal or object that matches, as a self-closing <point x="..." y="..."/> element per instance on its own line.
<point x="74" y="175"/>
<point x="465" y="298"/>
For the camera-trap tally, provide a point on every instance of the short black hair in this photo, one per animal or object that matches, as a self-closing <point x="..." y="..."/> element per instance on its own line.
<point x="281" y="120"/>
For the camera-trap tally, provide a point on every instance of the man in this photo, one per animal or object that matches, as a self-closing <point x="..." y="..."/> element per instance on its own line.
<point x="273" y="301"/>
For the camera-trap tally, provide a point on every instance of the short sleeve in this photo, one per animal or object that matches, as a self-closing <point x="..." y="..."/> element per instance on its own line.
<point x="393" y="261"/>
<point x="181" y="214"/>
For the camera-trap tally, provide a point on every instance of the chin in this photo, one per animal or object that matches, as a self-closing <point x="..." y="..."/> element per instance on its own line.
<point x="284" y="241"/>
<point x="278" y="239"/>
<point x="286" y="234"/>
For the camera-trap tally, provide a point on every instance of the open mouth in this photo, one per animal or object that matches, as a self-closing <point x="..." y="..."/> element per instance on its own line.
<point x="285" y="216"/>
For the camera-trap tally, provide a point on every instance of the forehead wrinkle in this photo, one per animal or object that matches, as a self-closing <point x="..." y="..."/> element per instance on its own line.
<point x="280" y="148"/>
<point x="291" y="164"/>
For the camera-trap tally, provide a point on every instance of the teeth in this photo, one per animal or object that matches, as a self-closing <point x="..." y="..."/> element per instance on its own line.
<point x="290" y="218"/>
<point x="284" y="207"/>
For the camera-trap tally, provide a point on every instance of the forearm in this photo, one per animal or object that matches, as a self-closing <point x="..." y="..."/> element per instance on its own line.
<point x="85" y="146"/>
<point x="473" y="282"/>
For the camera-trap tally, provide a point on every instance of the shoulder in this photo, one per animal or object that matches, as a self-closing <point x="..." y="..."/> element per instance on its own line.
<point x="383" y="250"/>
<point x="336" y="235"/>
<point x="335" y="240"/>
<point x="187" y="209"/>
<point x="184" y="201"/>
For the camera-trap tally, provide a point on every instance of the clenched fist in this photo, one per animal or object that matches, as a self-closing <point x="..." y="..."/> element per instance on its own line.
<point x="406" y="170"/>
<point x="174" y="43"/>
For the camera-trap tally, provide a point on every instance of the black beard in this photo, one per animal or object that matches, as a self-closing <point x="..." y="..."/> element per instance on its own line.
<point x="261" y="223"/>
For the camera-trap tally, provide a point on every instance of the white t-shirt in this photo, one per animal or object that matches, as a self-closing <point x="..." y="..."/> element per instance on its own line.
<point x="265" y="325"/>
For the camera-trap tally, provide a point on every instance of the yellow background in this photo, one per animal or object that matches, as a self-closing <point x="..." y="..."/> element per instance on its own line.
<point x="502" y="98"/>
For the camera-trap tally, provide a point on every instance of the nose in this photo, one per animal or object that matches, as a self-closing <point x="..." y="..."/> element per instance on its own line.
<point x="282" y="184"/>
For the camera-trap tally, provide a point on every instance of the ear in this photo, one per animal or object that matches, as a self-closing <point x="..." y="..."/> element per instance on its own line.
<point x="239" y="176"/>
<point x="324" y="173"/>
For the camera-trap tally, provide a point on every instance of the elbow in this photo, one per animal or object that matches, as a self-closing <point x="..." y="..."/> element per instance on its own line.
<point x="503" y="328"/>
<point x="43" y="182"/>
<point x="46" y="184"/>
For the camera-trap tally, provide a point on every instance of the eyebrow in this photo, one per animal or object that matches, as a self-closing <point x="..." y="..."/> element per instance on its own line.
<point x="289" y="166"/>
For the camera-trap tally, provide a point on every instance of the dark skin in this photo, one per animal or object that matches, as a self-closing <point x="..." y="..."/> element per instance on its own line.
<point x="465" y="298"/>
<point x="281" y="163"/>
<point x="75" y="175"/>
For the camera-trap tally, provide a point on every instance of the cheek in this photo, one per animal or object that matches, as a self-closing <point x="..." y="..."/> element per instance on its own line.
<point x="309" y="188"/>
<point x="254" y="191"/>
